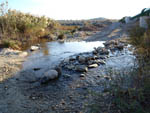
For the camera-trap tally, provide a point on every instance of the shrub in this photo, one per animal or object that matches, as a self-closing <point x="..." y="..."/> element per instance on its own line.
<point x="23" y="26"/>
<point x="140" y="38"/>
<point x="11" y="44"/>
<point x="62" y="36"/>
<point x="128" y="92"/>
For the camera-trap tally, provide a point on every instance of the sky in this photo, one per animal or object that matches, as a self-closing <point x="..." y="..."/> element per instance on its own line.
<point x="80" y="9"/>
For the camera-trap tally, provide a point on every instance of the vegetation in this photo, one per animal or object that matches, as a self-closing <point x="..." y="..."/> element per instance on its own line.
<point x="140" y="38"/>
<point x="19" y="27"/>
<point x="129" y="91"/>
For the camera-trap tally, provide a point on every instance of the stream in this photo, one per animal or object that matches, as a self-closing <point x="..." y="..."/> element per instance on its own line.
<point x="52" y="53"/>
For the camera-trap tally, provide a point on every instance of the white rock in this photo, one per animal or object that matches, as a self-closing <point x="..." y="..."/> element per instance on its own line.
<point x="23" y="54"/>
<point x="34" y="48"/>
<point x="93" y="66"/>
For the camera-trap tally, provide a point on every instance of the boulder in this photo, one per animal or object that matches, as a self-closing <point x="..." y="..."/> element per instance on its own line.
<point x="34" y="48"/>
<point x="49" y="75"/>
<point x="81" y="68"/>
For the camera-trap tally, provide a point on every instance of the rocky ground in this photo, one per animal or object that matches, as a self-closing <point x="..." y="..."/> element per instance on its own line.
<point x="64" y="89"/>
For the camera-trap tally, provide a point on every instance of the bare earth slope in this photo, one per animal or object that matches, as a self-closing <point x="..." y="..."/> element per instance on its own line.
<point x="114" y="31"/>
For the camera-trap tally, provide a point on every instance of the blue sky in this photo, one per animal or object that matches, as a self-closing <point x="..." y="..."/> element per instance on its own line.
<point x="80" y="9"/>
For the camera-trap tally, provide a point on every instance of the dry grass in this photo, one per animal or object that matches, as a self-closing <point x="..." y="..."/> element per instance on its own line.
<point x="17" y="26"/>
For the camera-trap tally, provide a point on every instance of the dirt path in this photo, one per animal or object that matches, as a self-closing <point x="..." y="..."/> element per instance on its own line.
<point x="66" y="95"/>
<point x="114" y="31"/>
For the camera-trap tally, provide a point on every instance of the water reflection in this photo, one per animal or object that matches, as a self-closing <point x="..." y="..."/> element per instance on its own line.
<point x="52" y="53"/>
<point x="45" y="49"/>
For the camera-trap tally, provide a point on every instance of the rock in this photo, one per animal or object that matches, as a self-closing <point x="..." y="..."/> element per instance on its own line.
<point x="107" y="77"/>
<point x="36" y="69"/>
<point x="81" y="59"/>
<point x="95" y="52"/>
<point x="100" y="61"/>
<point x="49" y="75"/>
<point x="23" y="54"/>
<point x="67" y="75"/>
<point x="112" y="42"/>
<point x="70" y="67"/>
<point x="66" y="60"/>
<point x="72" y="59"/>
<point x="101" y="57"/>
<point x="34" y="48"/>
<point x="104" y="51"/>
<point x="120" y="46"/>
<point x="90" y="62"/>
<point x="81" y="68"/>
<point x="59" y="70"/>
<point x="82" y="75"/>
<point x="90" y="58"/>
<point x="49" y="37"/>
<point x="101" y="50"/>
<point x="69" y="36"/>
<point x="9" y="52"/>
<point x="93" y="66"/>
<point x="78" y="34"/>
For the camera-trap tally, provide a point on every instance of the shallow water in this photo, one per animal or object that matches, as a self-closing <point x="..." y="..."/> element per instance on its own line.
<point x="121" y="59"/>
<point x="52" y="53"/>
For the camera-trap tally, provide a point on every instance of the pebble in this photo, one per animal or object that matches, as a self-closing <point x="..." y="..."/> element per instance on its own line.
<point x="82" y="75"/>
<point x="67" y="75"/>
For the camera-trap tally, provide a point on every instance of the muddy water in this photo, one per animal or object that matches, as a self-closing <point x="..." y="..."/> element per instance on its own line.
<point x="52" y="53"/>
